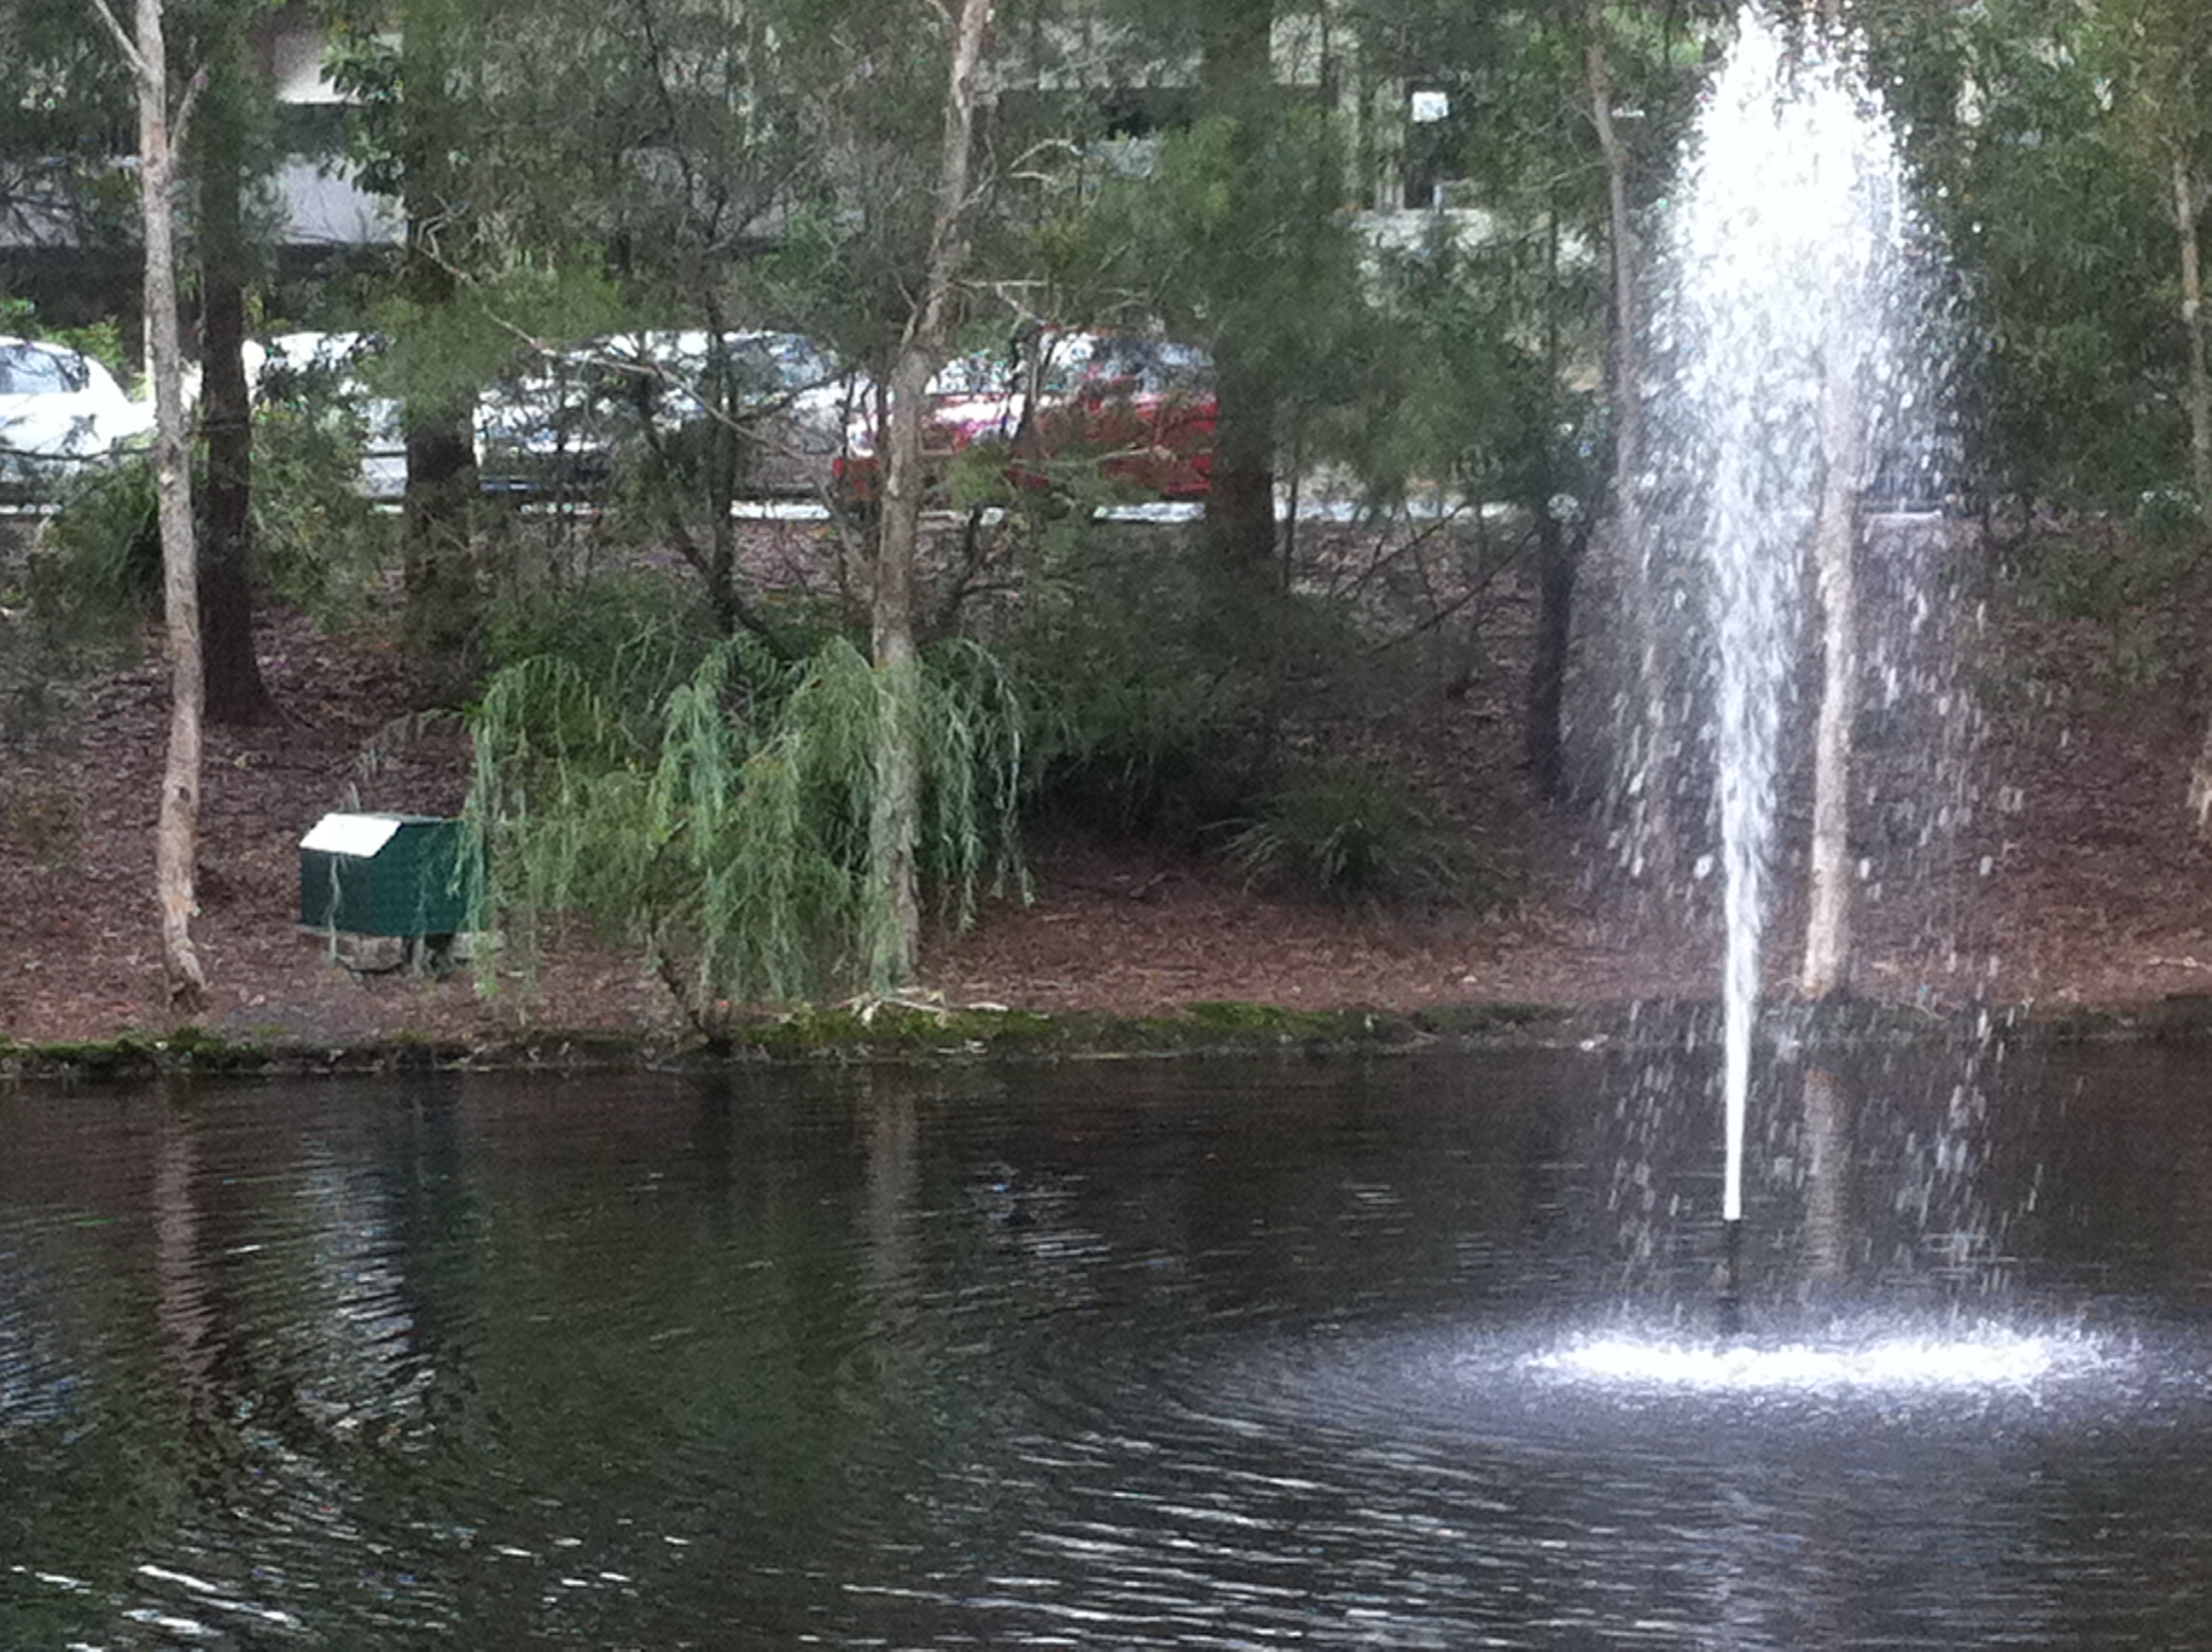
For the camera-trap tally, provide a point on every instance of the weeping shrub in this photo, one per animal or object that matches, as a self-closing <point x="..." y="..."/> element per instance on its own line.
<point x="727" y="837"/>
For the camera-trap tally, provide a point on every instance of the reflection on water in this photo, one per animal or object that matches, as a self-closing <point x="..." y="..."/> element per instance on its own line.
<point x="1415" y="1353"/>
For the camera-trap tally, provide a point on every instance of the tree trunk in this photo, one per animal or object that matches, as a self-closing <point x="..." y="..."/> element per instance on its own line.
<point x="1556" y="559"/>
<point x="1625" y="388"/>
<point x="2188" y="215"/>
<point x="1652" y="740"/>
<point x="1828" y="921"/>
<point x="2200" y="786"/>
<point x="1559" y="559"/>
<point x="895" y="820"/>
<point x="2188" y="212"/>
<point x="1236" y="81"/>
<point x="236" y="691"/>
<point x="1826" y="1158"/>
<point x="1240" y="497"/>
<point x="176" y="837"/>
<point x="438" y="622"/>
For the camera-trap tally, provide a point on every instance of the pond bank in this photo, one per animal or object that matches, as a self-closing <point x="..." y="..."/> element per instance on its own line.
<point x="921" y="1033"/>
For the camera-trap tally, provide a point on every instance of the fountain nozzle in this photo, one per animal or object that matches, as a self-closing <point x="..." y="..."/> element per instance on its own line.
<point x="1731" y="1279"/>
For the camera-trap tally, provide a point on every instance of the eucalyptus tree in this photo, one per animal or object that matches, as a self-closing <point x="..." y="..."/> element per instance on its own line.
<point x="2161" y="51"/>
<point x="643" y="159"/>
<point x="689" y="165"/>
<point x="925" y="342"/>
<point x="1236" y="235"/>
<point x="2063" y="240"/>
<point x="145" y="47"/>
<point x="59" y="124"/>
<point x="1562" y="124"/>
<point x="1543" y="293"/>
<point x="409" y="67"/>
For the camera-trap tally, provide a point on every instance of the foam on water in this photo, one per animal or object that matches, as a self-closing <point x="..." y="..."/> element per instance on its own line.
<point x="1987" y="1357"/>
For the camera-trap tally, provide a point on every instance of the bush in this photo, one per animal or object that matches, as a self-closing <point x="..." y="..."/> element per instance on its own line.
<point x="1159" y="689"/>
<point x="318" y="544"/>
<point x="1339" y="833"/>
<point x="720" y="824"/>
<point x="99" y="560"/>
<point x="635" y="637"/>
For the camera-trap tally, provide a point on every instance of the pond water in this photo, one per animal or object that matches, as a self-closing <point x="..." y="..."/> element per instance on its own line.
<point x="1409" y="1352"/>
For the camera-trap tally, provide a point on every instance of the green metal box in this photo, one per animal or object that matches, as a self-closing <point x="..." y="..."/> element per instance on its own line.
<point x="376" y="874"/>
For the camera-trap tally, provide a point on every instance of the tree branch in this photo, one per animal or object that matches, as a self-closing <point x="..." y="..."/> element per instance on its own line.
<point x="130" y="47"/>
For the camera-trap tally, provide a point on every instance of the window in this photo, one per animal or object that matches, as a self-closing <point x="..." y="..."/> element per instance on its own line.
<point x="27" y="370"/>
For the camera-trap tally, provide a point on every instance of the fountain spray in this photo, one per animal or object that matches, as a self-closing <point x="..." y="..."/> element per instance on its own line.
<point x="1785" y="298"/>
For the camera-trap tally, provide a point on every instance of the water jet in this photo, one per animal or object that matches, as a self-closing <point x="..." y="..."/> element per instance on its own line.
<point x="1790" y="363"/>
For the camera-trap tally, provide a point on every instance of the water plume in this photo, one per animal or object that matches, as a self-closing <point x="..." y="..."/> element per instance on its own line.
<point x="1791" y="382"/>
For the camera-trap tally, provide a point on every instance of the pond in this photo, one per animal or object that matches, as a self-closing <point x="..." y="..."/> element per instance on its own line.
<point x="1403" y="1352"/>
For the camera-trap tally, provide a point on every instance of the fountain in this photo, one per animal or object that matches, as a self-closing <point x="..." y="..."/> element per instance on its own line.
<point x="1790" y="368"/>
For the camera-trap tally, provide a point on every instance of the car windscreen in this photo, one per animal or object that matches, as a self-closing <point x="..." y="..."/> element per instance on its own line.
<point x="27" y="370"/>
<point x="1115" y="364"/>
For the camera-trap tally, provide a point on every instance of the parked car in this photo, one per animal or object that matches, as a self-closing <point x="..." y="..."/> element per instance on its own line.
<point x="320" y="373"/>
<point x="60" y="412"/>
<point x="571" y="423"/>
<point x="1066" y="408"/>
<point x="563" y="425"/>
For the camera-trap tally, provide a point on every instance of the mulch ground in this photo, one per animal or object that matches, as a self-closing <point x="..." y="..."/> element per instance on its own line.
<point x="2081" y="879"/>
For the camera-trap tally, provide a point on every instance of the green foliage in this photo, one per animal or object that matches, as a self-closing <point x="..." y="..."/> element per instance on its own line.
<point x="2062" y="239"/>
<point x="441" y="353"/>
<point x="1170" y="698"/>
<point x="1236" y="239"/>
<point x="723" y="830"/>
<point x="102" y="340"/>
<point x="318" y="544"/>
<point x="1149" y="682"/>
<point x="1477" y="407"/>
<point x="100" y="563"/>
<point x="634" y="638"/>
<point x="1343" y="833"/>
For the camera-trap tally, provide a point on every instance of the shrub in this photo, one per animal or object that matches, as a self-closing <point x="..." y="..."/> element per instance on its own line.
<point x="318" y="544"/>
<point x="1159" y="688"/>
<point x="1340" y="834"/>
<point x="723" y="829"/>
<point x="98" y="569"/>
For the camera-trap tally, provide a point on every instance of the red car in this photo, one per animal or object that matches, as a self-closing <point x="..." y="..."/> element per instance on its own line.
<point x="1137" y="411"/>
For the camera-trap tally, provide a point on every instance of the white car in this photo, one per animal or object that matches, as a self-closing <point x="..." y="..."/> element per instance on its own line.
<point x="568" y="424"/>
<point x="319" y="371"/>
<point x="560" y="427"/>
<point x="60" y="412"/>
